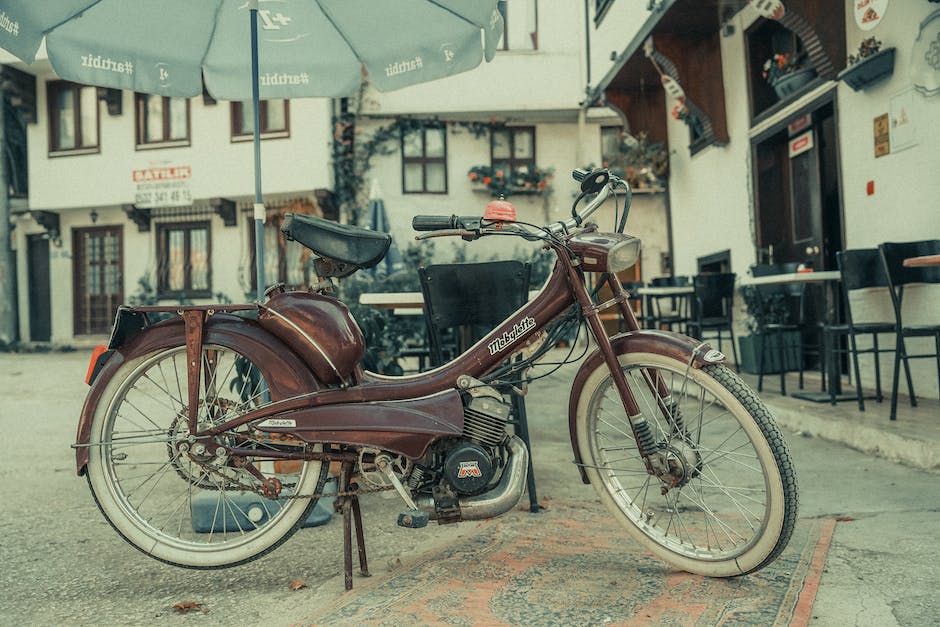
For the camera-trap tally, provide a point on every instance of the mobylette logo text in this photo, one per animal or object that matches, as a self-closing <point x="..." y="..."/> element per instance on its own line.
<point x="518" y="330"/>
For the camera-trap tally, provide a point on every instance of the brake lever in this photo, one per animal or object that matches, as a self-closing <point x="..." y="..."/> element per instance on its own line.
<point x="449" y="233"/>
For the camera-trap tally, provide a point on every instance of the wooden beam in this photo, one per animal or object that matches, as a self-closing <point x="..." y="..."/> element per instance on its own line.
<point x="225" y="209"/>
<point x="139" y="216"/>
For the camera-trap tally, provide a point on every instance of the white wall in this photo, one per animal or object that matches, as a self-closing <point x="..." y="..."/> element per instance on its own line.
<point x="904" y="205"/>
<point x="220" y="167"/>
<point x="609" y="38"/>
<point x="74" y="185"/>
<point x="550" y="78"/>
<point x="557" y="146"/>
<point x="710" y="193"/>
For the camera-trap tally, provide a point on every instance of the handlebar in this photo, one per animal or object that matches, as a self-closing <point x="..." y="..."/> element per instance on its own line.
<point x="440" y="223"/>
<point x="591" y="182"/>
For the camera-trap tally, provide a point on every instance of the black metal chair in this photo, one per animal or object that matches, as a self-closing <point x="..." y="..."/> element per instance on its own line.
<point x="893" y="255"/>
<point x="789" y="299"/>
<point x="636" y="302"/>
<point x="861" y="269"/>
<point x="465" y="301"/>
<point x="712" y="307"/>
<point x="666" y="312"/>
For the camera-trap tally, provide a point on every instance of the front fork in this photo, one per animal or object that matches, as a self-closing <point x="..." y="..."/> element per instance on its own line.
<point x="638" y="423"/>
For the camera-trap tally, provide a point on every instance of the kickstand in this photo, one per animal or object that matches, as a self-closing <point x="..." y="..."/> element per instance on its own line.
<point x="349" y="505"/>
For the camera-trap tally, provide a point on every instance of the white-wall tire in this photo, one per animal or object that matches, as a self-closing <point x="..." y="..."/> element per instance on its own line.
<point x="146" y="489"/>
<point x="736" y="511"/>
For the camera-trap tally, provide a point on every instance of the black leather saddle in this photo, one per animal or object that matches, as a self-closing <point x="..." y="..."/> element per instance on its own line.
<point x="349" y="245"/>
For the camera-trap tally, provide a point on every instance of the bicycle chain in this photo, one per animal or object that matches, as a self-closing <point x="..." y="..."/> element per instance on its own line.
<point x="231" y="484"/>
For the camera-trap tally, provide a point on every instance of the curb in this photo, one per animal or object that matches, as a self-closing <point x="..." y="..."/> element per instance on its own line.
<point x="922" y="454"/>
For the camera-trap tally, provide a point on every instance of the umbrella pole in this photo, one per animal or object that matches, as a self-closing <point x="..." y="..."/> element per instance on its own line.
<point x="259" y="212"/>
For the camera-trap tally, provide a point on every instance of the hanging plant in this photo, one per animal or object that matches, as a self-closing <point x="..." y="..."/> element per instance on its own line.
<point x="643" y="163"/>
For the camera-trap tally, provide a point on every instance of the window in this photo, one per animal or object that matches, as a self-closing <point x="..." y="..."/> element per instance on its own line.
<point x="520" y="24"/>
<point x="424" y="161"/>
<point x="161" y="121"/>
<point x="183" y="269"/>
<point x="284" y="262"/>
<point x="600" y="9"/>
<point x="513" y="148"/>
<point x="73" y="118"/>
<point x="275" y="120"/>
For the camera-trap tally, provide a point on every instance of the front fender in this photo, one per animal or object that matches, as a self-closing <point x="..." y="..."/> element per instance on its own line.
<point x="667" y="343"/>
<point x="285" y="373"/>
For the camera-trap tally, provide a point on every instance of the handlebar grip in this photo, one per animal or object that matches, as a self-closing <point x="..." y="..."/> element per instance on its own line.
<point x="579" y="174"/>
<point x="434" y="223"/>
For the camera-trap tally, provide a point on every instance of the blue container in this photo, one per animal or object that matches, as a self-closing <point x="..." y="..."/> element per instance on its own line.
<point x="246" y="510"/>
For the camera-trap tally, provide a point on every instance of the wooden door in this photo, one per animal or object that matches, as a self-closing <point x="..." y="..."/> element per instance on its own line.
<point x="98" y="267"/>
<point x="798" y="208"/>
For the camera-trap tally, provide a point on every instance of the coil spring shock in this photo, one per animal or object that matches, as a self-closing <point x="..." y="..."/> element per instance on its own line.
<point x="644" y="436"/>
<point x="675" y="415"/>
<point x="417" y="474"/>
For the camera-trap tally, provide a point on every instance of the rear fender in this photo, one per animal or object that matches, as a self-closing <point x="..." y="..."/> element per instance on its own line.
<point x="285" y="373"/>
<point x="674" y="345"/>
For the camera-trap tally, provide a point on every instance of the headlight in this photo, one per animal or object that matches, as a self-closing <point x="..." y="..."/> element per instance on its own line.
<point x="623" y="255"/>
<point x="605" y="252"/>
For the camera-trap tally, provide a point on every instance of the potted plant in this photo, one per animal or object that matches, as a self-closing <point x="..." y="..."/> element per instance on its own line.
<point x="869" y="65"/>
<point x="786" y="73"/>
<point x="641" y="162"/>
<point x="681" y="112"/>
<point x="761" y="311"/>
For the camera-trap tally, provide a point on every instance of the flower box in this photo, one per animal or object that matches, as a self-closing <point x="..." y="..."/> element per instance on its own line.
<point x="507" y="190"/>
<point x="788" y="84"/>
<point x="869" y="70"/>
<point x="500" y="182"/>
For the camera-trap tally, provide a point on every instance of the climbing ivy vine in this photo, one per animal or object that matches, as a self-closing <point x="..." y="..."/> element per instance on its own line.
<point x="354" y="149"/>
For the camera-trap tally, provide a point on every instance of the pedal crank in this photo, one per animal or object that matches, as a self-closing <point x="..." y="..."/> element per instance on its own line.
<point x="414" y="518"/>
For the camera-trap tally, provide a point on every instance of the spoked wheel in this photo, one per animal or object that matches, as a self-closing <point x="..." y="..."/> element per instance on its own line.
<point x="722" y="498"/>
<point x="187" y="502"/>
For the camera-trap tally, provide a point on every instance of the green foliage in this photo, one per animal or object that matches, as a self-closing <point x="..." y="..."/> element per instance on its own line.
<point x="353" y="151"/>
<point x="385" y="333"/>
<point x="520" y="180"/>
<point x="868" y="48"/>
<point x="763" y="310"/>
<point x="643" y="163"/>
<point x="146" y="293"/>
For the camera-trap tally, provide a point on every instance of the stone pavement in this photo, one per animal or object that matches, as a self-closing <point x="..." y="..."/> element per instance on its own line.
<point x="881" y="569"/>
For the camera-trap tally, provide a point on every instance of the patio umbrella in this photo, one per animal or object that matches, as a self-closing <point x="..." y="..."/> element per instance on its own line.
<point x="250" y="50"/>
<point x="378" y="221"/>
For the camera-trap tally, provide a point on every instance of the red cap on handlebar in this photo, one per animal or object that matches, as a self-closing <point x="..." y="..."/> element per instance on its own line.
<point x="500" y="210"/>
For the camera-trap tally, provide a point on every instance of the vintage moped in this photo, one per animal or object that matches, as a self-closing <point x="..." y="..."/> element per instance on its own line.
<point x="235" y="414"/>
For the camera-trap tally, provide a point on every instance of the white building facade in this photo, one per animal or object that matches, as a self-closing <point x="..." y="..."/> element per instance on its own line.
<point x="133" y="198"/>
<point x="838" y="163"/>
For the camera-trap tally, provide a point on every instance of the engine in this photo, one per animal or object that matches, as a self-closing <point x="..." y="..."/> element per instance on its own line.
<point x="472" y="463"/>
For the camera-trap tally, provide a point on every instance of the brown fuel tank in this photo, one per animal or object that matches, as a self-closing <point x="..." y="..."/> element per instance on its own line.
<point x="318" y="328"/>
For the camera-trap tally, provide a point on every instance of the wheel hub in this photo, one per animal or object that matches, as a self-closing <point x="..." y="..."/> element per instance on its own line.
<point x="676" y="464"/>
